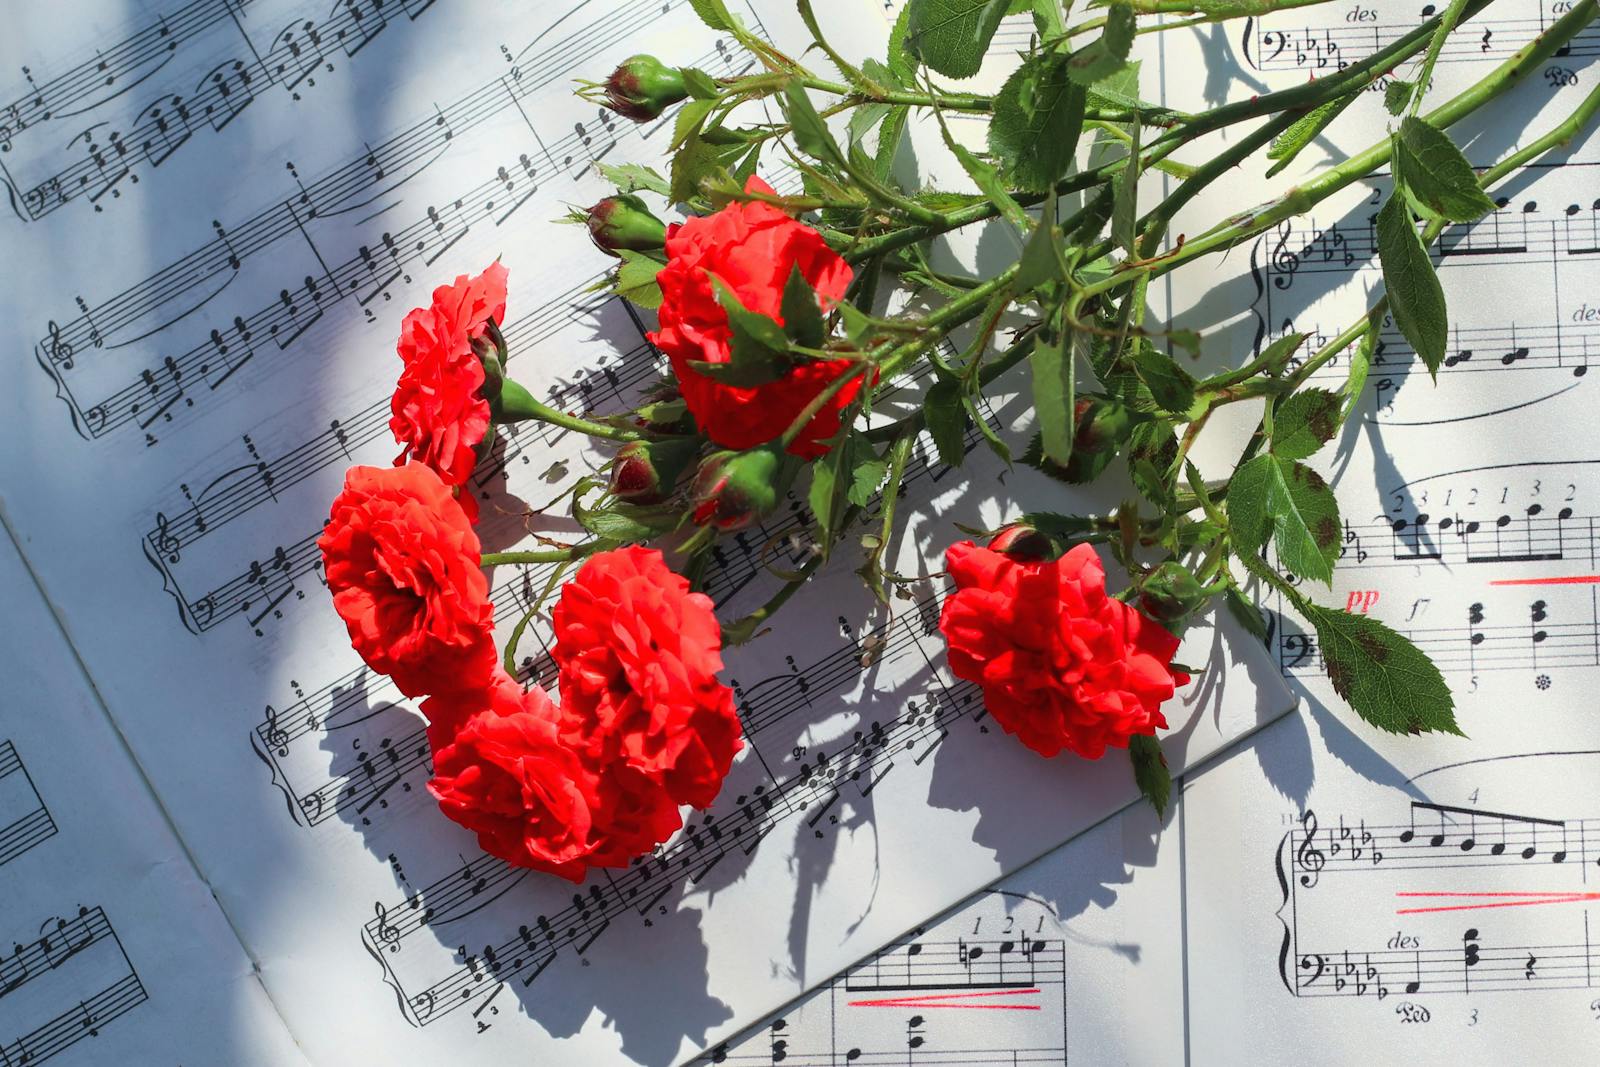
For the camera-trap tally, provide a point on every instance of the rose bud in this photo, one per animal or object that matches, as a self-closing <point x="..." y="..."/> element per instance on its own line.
<point x="646" y="472"/>
<point x="1170" y="593"/>
<point x="623" y="221"/>
<point x="643" y="87"/>
<point x="733" y="489"/>
<point x="1021" y="541"/>
<point x="1104" y="428"/>
<point x="490" y="348"/>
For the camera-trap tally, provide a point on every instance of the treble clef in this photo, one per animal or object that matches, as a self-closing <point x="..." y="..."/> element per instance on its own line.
<point x="60" y="348"/>
<point x="277" y="737"/>
<point x="1285" y="263"/>
<point x="166" y="544"/>
<point x="1308" y="857"/>
<point x="387" y="934"/>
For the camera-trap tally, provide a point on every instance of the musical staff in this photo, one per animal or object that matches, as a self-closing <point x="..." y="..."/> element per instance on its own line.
<point x="1473" y="929"/>
<point x="165" y="297"/>
<point x="294" y="57"/>
<point x="24" y="820"/>
<point x="85" y="981"/>
<point x="903" y="1004"/>
<point x="1334" y="47"/>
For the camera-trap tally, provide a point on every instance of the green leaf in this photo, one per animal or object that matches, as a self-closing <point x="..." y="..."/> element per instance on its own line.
<point x="1360" y="364"/>
<point x="701" y="85"/>
<point x="1106" y="55"/>
<point x="900" y="64"/>
<point x="1037" y="120"/>
<point x="951" y="36"/>
<point x="802" y="314"/>
<point x="1096" y="213"/>
<point x="946" y="420"/>
<point x="691" y="118"/>
<point x="811" y="134"/>
<point x="631" y="177"/>
<point x="1416" y="300"/>
<point x="1435" y="175"/>
<point x="1396" y="95"/>
<point x="1125" y="207"/>
<point x="1170" y="385"/>
<point x="636" y="280"/>
<point x="1150" y="771"/>
<point x="713" y="14"/>
<point x="1247" y="614"/>
<point x="753" y="325"/>
<point x="865" y="478"/>
<point x="1386" y="679"/>
<point x="1291" y="502"/>
<point x="1039" y="263"/>
<point x="985" y="177"/>
<point x="695" y="161"/>
<point x="990" y="437"/>
<point x="821" y="495"/>
<point x="1291" y="142"/>
<point x="1304" y="422"/>
<point x="1247" y="505"/>
<point x="1054" y="389"/>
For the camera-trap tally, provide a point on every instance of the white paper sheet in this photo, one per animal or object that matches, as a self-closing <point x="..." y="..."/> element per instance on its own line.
<point x="110" y="944"/>
<point x="1352" y="895"/>
<point x="200" y="345"/>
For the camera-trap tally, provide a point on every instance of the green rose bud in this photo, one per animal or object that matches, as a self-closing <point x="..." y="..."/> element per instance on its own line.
<point x="733" y="489"/>
<point x="643" y="87"/>
<point x="646" y="472"/>
<point x="1170" y="593"/>
<point x="1021" y="541"/>
<point x="623" y="221"/>
<point x="491" y="352"/>
<point x="1105" y="427"/>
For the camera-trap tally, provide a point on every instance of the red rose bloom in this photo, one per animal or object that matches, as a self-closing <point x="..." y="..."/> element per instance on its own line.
<point x="440" y="416"/>
<point x="507" y="777"/>
<point x="503" y="770"/>
<point x="1061" y="664"/>
<point x="638" y="656"/>
<point x="751" y="248"/>
<point x="402" y="562"/>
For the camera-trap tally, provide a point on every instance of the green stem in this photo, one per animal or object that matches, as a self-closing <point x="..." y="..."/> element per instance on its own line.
<point x="516" y="404"/>
<point x="952" y="314"/>
<point x="1450" y="16"/>
<point x="913" y="422"/>
<point x="537" y="555"/>
<point x="1299" y="200"/>
<point x="868" y="93"/>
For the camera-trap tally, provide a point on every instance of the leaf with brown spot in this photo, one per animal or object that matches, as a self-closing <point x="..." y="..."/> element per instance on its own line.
<point x="1304" y="422"/>
<point x="1292" y="503"/>
<point x="1387" y="679"/>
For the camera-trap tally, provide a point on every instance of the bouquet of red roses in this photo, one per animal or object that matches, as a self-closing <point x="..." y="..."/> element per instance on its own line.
<point x="780" y="353"/>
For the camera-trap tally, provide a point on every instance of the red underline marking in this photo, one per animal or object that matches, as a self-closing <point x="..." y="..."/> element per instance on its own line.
<point x="934" y="1000"/>
<point x="1522" y="900"/>
<point x="1565" y="579"/>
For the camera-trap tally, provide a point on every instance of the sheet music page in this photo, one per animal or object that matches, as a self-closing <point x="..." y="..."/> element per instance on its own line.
<point x="110" y="944"/>
<point x="224" y="209"/>
<point x="1076" y="958"/>
<point x="1353" y="895"/>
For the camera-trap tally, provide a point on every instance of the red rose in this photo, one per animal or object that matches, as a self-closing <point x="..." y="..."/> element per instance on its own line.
<point x="1061" y="664"/>
<point x="402" y="562"/>
<point x="638" y="656"/>
<point x="751" y="248"/>
<point x="503" y="770"/>
<point x="440" y="415"/>
<point x="506" y="776"/>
